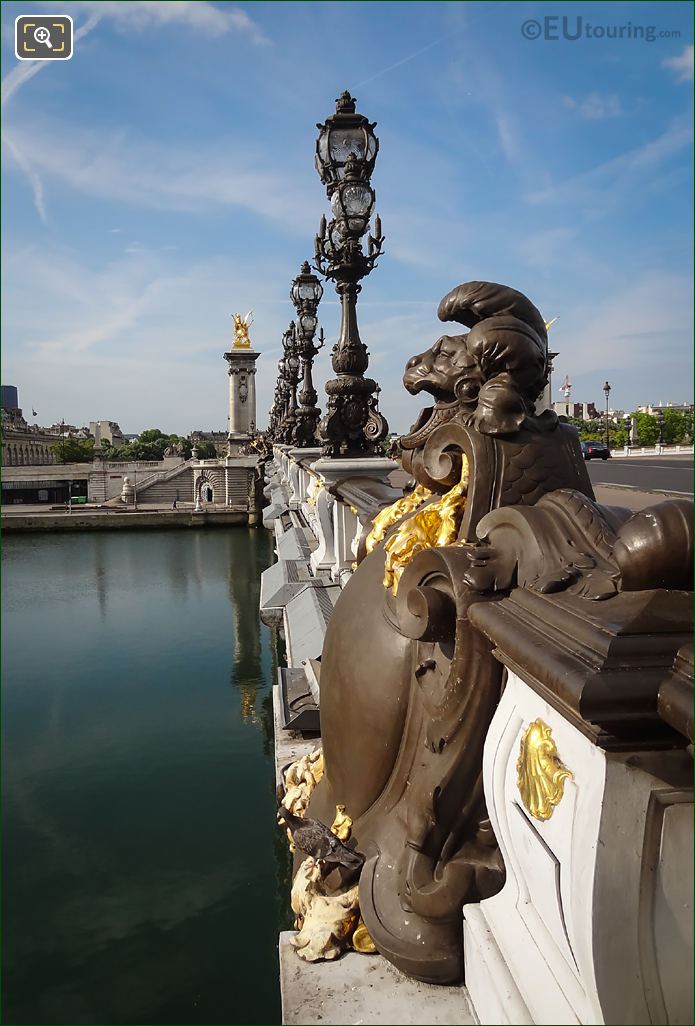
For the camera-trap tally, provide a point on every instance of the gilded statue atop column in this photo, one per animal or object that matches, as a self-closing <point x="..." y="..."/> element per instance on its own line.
<point x="241" y="330"/>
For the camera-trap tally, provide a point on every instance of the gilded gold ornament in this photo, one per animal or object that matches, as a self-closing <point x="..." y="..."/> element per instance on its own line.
<point x="342" y="824"/>
<point x="400" y="508"/>
<point x="325" y="922"/>
<point x="313" y="490"/>
<point x="540" y="773"/>
<point x="361" y="940"/>
<point x="301" y="777"/>
<point x="436" y="525"/>
<point x="241" y="331"/>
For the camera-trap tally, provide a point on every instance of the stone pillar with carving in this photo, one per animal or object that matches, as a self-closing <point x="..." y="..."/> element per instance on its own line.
<point x="242" y="387"/>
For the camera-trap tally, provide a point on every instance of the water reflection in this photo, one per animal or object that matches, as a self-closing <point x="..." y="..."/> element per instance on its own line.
<point x="133" y="665"/>
<point x="244" y="593"/>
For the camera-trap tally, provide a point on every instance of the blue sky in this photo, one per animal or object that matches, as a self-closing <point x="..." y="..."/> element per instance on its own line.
<point x="163" y="178"/>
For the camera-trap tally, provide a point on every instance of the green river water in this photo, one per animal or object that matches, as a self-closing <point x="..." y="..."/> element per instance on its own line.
<point x="144" y="879"/>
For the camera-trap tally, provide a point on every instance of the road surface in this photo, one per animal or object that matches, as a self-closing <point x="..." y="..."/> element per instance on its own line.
<point x="673" y="474"/>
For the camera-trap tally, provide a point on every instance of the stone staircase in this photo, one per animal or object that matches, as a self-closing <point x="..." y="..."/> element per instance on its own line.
<point x="176" y="483"/>
<point x="163" y="486"/>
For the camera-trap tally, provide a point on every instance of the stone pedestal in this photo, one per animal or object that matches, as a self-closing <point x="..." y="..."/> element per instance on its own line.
<point x="242" y="395"/>
<point x="594" y="923"/>
<point x="127" y="491"/>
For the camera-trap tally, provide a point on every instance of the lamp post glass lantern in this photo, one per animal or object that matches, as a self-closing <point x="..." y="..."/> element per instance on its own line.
<point x="346" y="152"/>
<point x="607" y="392"/>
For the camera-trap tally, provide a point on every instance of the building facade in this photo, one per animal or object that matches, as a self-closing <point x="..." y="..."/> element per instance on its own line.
<point x="106" y="431"/>
<point x="578" y="411"/>
<point x="23" y="444"/>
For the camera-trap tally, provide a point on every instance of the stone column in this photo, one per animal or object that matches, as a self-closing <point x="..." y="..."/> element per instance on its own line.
<point x="242" y="394"/>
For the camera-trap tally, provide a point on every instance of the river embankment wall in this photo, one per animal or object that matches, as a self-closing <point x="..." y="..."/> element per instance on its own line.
<point x="101" y="521"/>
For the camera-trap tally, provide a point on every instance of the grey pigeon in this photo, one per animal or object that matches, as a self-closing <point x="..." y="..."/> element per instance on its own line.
<point x="315" y="839"/>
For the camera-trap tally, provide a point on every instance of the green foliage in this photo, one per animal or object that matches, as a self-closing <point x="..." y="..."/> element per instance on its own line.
<point x="677" y="426"/>
<point x="151" y="445"/>
<point x="595" y="431"/>
<point x="74" y="450"/>
<point x="206" y="451"/>
<point x="647" y="428"/>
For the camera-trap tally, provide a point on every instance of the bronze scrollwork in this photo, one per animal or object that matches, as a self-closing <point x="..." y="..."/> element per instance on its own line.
<point x="408" y="685"/>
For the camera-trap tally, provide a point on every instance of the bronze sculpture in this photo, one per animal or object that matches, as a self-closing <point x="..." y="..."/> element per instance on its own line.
<point x="502" y="502"/>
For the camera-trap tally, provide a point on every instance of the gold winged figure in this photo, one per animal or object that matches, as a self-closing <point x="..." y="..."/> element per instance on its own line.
<point x="241" y="330"/>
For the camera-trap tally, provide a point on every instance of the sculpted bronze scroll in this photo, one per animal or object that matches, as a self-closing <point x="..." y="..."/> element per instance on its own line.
<point x="408" y="686"/>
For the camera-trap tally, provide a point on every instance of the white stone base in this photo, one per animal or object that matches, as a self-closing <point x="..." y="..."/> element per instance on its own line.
<point x="497" y="997"/>
<point x="594" y="922"/>
<point x="363" y="989"/>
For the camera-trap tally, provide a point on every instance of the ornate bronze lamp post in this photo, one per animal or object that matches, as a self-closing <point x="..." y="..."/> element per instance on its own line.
<point x="346" y="151"/>
<point x="305" y="293"/>
<point x="274" y="414"/>
<point x="279" y="407"/>
<point x="291" y="380"/>
<point x="607" y="392"/>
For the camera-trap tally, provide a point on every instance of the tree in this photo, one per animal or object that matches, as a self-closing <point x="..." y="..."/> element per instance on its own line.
<point x="676" y="426"/>
<point x="647" y="428"/>
<point x="151" y="445"/>
<point x="74" y="450"/>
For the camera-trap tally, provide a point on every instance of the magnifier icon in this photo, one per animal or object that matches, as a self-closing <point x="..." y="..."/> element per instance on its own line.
<point x="42" y="35"/>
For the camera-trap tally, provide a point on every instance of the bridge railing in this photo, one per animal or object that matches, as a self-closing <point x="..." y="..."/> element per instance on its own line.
<point x="652" y="450"/>
<point x="335" y="499"/>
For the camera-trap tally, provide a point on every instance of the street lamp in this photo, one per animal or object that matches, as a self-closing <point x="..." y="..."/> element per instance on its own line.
<point x="346" y="151"/>
<point x="607" y="392"/>
<point x="305" y="293"/>
<point x="291" y="380"/>
<point x="660" y="422"/>
<point x="277" y="414"/>
<point x="628" y="428"/>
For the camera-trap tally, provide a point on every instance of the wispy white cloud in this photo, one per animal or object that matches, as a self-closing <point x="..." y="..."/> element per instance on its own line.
<point x="630" y="327"/>
<point x="34" y="180"/>
<point x="142" y="15"/>
<point x="547" y="247"/>
<point x="604" y="185"/>
<point x="403" y="60"/>
<point x="118" y="167"/>
<point x="508" y="134"/>
<point x="25" y="70"/>
<point x="128" y="15"/>
<point x="682" y="64"/>
<point x="133" y="332"/>
<point x="596" y="106"/>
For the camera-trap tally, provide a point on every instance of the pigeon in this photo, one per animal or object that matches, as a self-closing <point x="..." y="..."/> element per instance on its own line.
<point x="315" y="839"/>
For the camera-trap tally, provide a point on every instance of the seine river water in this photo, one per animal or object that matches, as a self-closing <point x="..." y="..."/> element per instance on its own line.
<point x="144" y="876"/>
